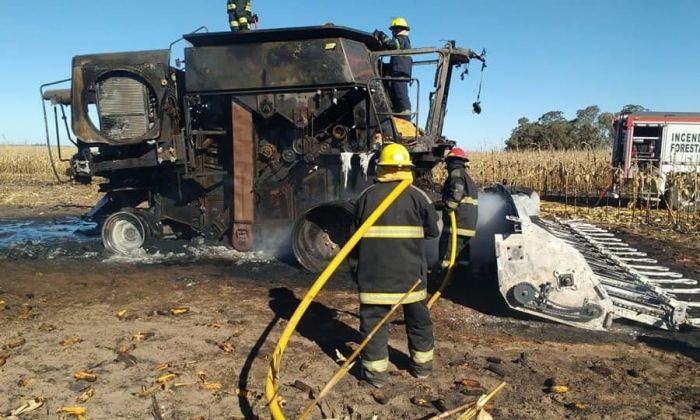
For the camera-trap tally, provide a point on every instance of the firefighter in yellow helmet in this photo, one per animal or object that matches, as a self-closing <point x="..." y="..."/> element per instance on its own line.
<point x="400" y="66"/>
<point x="240" y="14"/>
<point x="389" y="259"/>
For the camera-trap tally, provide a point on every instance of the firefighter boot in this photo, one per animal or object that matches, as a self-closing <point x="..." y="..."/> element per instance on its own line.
<point x="376" y="379"/>
<point x="421" y="370"/>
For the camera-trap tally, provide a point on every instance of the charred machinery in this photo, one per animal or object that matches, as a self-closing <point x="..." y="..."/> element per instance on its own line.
<point x="267" y="136"/>
<point x="257" y="131"/>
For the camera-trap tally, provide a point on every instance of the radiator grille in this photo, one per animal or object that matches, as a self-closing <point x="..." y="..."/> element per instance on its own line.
<point x="123" y="104"/>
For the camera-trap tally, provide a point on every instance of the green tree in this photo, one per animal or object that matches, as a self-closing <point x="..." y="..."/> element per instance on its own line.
<point x="552" y="130"/>
<point x="604" y="125"/>
<point x="631" y="108"/>
<point x="586" y="133"/>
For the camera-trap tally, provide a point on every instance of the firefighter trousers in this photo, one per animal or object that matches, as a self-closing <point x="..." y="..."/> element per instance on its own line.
<point x="239" y="15"/>
<point x="419" y="329"/>
<point x="400" y="100"/>
<point x="463" y="249"/>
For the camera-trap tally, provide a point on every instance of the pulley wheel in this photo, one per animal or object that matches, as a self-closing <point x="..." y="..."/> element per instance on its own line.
<point x="523" y="293"/>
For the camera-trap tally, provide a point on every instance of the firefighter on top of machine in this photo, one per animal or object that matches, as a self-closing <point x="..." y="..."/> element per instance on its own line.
<point x="387" y="262"/>
<point x="240" y="15"/>
<point x="400" y="66"/>
<point x="459" y="195"/>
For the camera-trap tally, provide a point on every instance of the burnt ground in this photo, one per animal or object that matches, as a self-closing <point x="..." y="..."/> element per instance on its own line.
<point x="237" y="307"/>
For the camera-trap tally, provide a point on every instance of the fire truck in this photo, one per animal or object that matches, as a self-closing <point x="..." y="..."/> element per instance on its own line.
<point x="662" y="151"/>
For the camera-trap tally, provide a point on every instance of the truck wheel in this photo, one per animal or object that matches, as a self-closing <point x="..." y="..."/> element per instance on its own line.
<point x="125" y="232"/>
<point x="320" y="233"/>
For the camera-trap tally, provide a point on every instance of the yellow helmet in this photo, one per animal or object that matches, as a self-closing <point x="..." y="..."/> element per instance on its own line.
<point x="398" y="22"/>
<point x="394" y="155"/>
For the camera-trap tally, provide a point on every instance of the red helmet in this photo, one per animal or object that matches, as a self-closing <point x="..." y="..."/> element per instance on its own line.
<point x="457" y="153"/>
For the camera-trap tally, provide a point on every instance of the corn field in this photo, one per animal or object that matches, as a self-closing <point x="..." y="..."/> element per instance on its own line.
<point x="31" y="164"/>
<point x="575" y="183"/>
<point x="571" y="182"/>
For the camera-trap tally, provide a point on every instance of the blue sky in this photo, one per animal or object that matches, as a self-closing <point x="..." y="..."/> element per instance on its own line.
<point x="543" y="54"/>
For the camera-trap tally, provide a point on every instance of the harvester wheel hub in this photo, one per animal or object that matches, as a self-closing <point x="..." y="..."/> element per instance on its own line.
<point x="123" y="233"/>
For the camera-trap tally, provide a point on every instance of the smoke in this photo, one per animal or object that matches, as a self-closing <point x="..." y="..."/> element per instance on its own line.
<point x="492" y="220"/>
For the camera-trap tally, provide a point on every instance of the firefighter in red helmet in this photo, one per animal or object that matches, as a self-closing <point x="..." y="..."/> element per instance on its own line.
<point x="459" y="195"/>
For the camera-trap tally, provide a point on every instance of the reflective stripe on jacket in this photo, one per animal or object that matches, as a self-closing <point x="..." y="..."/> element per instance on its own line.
<point x="400" y="65"/>
<point x="391" y="255"/>
<point x="461" y="195"/>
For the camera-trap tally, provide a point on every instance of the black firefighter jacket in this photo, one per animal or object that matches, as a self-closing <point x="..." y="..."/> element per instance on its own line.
<point x="400" y="65"/>
<point x="391" y="255"/>
<point x="461" y="195"/>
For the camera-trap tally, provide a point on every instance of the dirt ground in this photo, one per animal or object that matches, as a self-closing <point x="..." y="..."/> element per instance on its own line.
<point x="61" y="315"/>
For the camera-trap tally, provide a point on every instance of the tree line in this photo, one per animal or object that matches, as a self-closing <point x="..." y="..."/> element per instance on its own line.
<point x="590" y="129"/>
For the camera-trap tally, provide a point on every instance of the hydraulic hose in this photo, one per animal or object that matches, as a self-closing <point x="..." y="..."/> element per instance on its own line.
<point x="272" y="380"/>
<point x="451" y="265"/>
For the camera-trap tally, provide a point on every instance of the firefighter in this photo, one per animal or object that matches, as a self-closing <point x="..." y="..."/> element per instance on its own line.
<point x="459" y="195"/>
<point x="400" y="66"/>
<point x="240" y="15"/>
<point x="388" y="261"/>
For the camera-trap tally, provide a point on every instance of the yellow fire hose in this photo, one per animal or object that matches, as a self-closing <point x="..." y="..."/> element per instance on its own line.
<point x="451" y="265"/>
<point x="345" y="368"/>
<point x="271" y="383"/>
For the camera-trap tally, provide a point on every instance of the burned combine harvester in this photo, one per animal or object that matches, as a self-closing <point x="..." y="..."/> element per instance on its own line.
<point x="256" y="132"/>
<point x="271" y="134"/>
